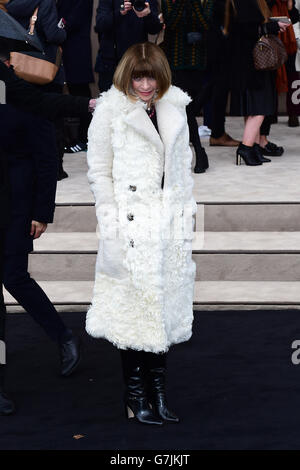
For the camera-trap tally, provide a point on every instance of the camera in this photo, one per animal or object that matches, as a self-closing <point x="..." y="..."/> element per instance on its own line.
<point x="138" y="5"/>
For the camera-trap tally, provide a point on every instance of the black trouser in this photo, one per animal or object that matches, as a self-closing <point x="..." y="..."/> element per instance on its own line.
<point x="220" y="90"/>
<point x="31" y="297"/>
<point x="266" y="125"/>
<point x="105" y="80"/>
<point x="82" y="89"/>
<point x="191" y="81"/>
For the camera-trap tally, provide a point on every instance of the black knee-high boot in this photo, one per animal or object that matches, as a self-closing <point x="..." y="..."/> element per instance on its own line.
<point x="136" y="402"/>
<point x="156" y="368"/>
<point x="201" y="156"/>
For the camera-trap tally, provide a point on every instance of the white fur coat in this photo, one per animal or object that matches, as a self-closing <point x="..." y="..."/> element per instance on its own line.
<point x="143" y="294"/>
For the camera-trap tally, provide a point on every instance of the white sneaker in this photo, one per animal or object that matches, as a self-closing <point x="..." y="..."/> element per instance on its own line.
<point x="204" y="131"/>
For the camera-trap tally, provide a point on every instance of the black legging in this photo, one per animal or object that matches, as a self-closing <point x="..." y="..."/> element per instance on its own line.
<point x="2" y="316"/>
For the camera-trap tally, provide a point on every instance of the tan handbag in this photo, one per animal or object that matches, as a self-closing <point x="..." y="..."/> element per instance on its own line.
<point x="269" y="53"/>
<point x="34" y="66"/>
<point x="2" y="4"/>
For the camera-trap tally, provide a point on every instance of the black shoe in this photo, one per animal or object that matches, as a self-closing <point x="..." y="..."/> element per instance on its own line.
<point x="157" y="395"/>
<point x="62" y="175"/>
<point x="259" y="154"/>
<point x="135" y="400"/>
<point x="248" y="154"/>
<point x="272" y="150"/>
<point x="293" y="121"/>
<point x="7" y="406"/>
<point x="201" y="160"/>
<point x="70" y="354"/>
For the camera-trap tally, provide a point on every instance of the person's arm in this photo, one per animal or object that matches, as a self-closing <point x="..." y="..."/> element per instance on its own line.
<point x="248" y="20"/>
<point x="13" y="7"/>
<point x="152" y="22"/>
<point x="100" y="161"/>
<point x="293" y="12"/>
<point x="27" y="97"/>
<point x="46" y="167"/>
<point x="77" y="15"/>
<point x="104" y="17"/>
<point x="47" y="21"/>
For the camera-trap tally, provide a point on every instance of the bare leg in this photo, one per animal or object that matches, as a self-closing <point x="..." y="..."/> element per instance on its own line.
<point x="251" y="130"/>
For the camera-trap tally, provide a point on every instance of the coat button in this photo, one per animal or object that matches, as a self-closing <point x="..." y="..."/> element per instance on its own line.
<point x="131" y="243"/>
<point x="132" y="188"/>
<point x="130" y="217"/>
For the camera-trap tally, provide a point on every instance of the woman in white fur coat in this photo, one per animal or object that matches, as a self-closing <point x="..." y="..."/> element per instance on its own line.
<point x="140" y="173"/>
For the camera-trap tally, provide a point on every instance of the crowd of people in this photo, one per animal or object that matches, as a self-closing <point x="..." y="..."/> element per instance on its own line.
<point x="151" y="97"/>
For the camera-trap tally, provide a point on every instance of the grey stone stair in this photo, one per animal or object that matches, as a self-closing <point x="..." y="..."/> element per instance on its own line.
<point x="219" y="256"/>
<point x="215" y="217"/>
<point x="76" y="295"/>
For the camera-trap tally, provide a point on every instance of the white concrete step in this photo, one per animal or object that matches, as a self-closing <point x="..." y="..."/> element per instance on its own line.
<point x="207" y="242"/>
<point x="208" y="295"/>
<point x="214" y="217"/>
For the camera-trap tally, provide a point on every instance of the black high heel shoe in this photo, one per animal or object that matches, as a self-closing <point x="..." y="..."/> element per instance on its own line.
<point x="135" y="401"/>
<point x="260" y="155"/>
<point x="248" y="154"/>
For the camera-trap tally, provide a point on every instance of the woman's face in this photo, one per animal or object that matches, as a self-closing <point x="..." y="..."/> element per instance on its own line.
<point x="144" y="87"/>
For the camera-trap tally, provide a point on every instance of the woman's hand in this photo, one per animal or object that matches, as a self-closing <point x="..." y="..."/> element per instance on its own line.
<point x="92" y="105"/>
<point x="37" y="229"/>
<point x="126" y="8"/>
<point x="145" y="12"/>
<point x="283" y="26"/>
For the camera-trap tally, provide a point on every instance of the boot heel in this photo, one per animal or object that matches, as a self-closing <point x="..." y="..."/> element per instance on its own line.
<point x="238" y="159"/>
<point x="128" y="412"/>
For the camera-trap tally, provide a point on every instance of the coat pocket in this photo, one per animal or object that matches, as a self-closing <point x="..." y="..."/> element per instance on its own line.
<point x="110" y="258"/>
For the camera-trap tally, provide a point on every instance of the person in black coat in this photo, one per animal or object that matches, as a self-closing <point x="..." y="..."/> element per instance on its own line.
<point x="46" y="26"/>
<point x="51" y="37"/>
<point x="118" y="30"/>
<point x="253" y="93"/>
<point x="28" y="156"/>
<point x="77" y="53"/>
<point x="218" y="54"/>
<point x="7" y="406"/>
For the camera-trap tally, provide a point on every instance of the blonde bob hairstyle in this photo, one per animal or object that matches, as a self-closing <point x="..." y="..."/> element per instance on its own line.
<point x="143" y="60"/>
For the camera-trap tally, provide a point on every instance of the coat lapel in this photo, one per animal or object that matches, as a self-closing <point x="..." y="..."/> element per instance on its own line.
<point x="141" y="123"/>
<point x="170" y="124"/>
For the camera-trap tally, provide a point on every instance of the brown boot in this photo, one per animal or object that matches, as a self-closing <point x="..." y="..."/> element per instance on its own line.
<point x="224" y="141"/>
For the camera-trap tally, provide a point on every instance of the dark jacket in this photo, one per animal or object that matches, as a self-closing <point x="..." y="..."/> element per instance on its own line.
<point x="30" y="98"/>
<point x="77" y="50"/>
<point x="128" y="30"/>
<point x="243" y="35"/>
<point x="27" y="144"/>
<point x="182" y="17"/>
<point x="4" y="190"/>
<point x="46" y="26"/>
